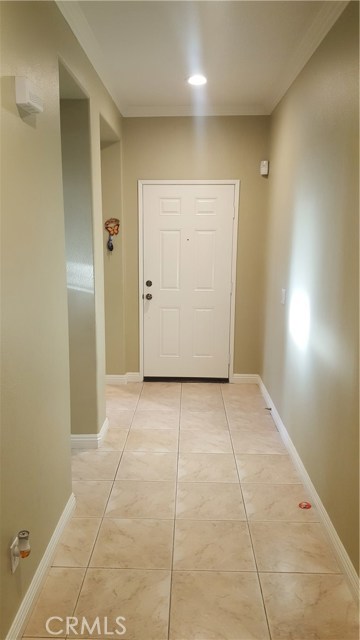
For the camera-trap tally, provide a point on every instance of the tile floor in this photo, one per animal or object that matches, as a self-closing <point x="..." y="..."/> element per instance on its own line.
<point x="187" y="525"/>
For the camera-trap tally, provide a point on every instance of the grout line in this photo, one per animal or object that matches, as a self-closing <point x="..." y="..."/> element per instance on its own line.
<point x="174" y="520"/>
<point x="259" y="581"/>
<point x="254" y="571"/>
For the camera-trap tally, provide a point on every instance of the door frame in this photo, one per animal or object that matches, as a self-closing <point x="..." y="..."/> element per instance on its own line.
<point x="236" y="185"/>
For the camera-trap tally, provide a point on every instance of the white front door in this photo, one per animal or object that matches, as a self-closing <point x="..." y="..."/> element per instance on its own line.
<point x="187" y="274"/>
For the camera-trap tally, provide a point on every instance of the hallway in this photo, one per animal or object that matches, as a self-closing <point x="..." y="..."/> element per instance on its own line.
<point x="243" y="562"/>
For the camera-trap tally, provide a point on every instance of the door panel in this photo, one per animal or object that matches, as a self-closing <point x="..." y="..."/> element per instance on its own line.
<point x="188" y="256"/>
<point x="170" y="333"/>
<point x="170" y="245"/>
<point x="205" y="260"/>
<point x="203" y="333"/>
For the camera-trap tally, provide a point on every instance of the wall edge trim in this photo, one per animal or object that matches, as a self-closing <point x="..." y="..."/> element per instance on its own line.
<point x="19" y="623"/>
<point x="334" y="539"/>
<point x="123" y="379"/>
<point x="89" y="440"/>
<point x="244" y="378"/>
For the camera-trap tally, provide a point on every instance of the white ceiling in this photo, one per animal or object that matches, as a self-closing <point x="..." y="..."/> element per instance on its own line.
<point x="250" y="51"/>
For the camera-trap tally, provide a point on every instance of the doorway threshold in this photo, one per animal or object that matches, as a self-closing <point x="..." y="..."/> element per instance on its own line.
<point x="179" y="379"/>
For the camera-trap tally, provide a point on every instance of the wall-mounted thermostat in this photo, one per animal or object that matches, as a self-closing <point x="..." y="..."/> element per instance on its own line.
<point x="27" y="96"/>
<point x="264" y="167"/>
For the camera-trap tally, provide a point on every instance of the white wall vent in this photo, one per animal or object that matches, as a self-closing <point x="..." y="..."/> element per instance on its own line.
<point x="27" y="96"/>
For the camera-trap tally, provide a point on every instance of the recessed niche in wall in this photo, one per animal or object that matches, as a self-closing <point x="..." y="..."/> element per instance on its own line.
<point x="113" y="261"/>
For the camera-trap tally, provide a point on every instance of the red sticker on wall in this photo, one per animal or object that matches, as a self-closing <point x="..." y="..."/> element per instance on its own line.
<point x="304" y="505"/>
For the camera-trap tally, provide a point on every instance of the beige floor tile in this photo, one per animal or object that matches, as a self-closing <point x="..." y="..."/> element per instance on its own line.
<point x="259" y="441"/>
<point x="209" y="501"/>
<point x="254" y="404"/>
<point x="202" y="403"/>
<point x="125" y="404"/>
<point x="156" y="440"/>
<point x="212" y="546"/>
<point x="141" y="597"/>
<point x="161" y="389"/>
<point x="160" y="399"/>
<point x="191" y="389"/>
<point x="297" y="547"/>
<point x="91" y="497"/>
<point x="160" y="467"/>
<point x="198" y="397"/>
<point x="205" y="441"/>
<point x="123" y="390"/>
<point x="277" y="502"/>
<point x="95" y="464"/>
<point x="76" y="543"/>
<point x="266" y="469"/>
<point x="207" y="467"/>
<point x="247" y="390"/>
<point x="203" y="420"/>
<point x="125" y="398"/>
<point x="119" y="419"/>
<point x="156" y="420"/>
<point x="246" y="408"/>
<point x="57" y="598"/>
<point x="114" y="440"/>
<point x="134" y="544"/>
<point x="243" y="419"/>
<point x="159" y="404"/>
<point x="306" y="606"/>
<point x="207" y="605"/>
<point x="132" y="499"/>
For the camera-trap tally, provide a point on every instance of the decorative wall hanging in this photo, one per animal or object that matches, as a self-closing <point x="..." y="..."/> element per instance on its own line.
<point x="112" y="227"/>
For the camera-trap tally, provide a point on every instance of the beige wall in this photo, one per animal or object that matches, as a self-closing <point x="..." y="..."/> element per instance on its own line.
<point x="313" y="248"/>
<point x="35" y="404"/>
<point x="208" y="148"/>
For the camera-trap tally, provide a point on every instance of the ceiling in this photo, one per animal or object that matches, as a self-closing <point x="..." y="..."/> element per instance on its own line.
<point x="250" y="51"/>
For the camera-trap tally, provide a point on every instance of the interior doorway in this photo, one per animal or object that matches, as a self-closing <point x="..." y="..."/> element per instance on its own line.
<point x="78" y="216"/>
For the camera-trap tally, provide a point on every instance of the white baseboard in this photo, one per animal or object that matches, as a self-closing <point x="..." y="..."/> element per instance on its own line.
<point x="243" y="378"/>
<point x="18" y="626"/>
<point x="338" y="547"/>
<point x="124" y="379"/>
<point x="89" y="440"/>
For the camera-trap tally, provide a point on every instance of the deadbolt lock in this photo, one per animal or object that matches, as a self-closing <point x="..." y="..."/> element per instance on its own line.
<point x="148" y="283"/>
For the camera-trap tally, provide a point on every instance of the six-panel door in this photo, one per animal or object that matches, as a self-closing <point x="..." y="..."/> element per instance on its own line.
<point x="187" y="247"/>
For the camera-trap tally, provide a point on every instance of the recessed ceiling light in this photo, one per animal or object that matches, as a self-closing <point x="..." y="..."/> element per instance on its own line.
<point x="197" y="80"/>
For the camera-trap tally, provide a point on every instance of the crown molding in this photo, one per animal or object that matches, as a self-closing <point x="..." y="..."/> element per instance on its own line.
<point x="193" y="111"/>
<point x="319" y="28"/>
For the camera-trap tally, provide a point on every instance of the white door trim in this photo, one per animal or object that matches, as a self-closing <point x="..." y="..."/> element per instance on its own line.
<point x="141" y="184"/>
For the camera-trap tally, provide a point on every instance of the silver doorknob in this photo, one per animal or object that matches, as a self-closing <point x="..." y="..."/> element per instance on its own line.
<point x="148" y="296"/>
